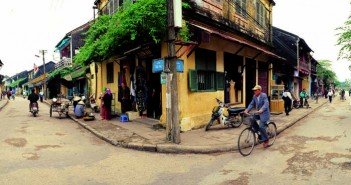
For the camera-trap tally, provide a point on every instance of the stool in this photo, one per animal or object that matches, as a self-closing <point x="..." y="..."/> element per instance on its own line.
<point x="124" y="118"/>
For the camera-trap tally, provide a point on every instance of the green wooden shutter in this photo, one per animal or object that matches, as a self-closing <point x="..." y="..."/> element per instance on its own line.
<point x="193" y="84"/>
<point x="220" y="80"/>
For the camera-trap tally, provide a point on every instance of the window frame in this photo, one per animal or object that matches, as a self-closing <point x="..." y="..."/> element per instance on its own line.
<point x="110" y="72"/>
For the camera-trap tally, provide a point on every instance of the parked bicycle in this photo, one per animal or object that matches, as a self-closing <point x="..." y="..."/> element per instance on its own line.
<point x="251" y="135"/>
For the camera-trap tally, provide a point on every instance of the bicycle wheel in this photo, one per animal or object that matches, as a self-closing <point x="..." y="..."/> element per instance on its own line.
<point x="271" y="132"/>
<point x="246" y="142"/>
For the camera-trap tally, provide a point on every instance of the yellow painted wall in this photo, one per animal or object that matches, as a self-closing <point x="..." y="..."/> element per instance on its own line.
<point x="101" y="80"/>
<point x="195" y="107"/>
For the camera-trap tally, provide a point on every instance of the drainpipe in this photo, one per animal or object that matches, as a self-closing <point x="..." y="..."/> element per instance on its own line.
<point x="298" y="63"/>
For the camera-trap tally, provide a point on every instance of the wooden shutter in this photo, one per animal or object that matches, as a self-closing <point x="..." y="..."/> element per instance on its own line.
<point x="193" y="83"/>
<point x="220" y="80"/>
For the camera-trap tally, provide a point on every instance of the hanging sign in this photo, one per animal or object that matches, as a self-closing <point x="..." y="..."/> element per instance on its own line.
<point x="163" y="78"/>
<point x="158" y="65"/>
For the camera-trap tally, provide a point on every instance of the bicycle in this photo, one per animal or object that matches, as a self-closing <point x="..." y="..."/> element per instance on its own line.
<point x="250" y="136"/>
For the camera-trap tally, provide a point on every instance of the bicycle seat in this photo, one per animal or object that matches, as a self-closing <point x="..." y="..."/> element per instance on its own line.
<point x="235" y="110"/>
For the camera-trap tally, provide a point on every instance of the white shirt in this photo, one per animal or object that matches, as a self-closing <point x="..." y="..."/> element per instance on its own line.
<point x="287" y="94"/>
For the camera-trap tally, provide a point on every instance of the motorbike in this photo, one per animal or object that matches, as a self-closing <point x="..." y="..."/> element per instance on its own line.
<point x="232" y="119"/>
<point x="60" y="107"/>
<point x="34" y="109"/>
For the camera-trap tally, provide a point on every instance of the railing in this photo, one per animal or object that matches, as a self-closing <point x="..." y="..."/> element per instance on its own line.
<point x="64" y="62"/>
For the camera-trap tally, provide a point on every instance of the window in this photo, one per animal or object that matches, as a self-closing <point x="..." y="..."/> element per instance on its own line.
<point x="261" y="14"/>
<point x="240" y="7"/>
<point x="109" y="72"/>
<point x="205" y="77"/>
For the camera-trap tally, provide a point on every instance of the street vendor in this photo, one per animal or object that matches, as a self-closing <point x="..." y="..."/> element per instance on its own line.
<point x="79" y="110"/>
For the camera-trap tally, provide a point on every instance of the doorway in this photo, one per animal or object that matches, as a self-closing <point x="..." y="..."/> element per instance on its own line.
<point x="250" y="69"/>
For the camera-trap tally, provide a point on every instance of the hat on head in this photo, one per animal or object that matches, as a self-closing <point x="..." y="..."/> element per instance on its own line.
<point x="80" y="102"/>
<point x="77" y="98"/>
<point x="257" y="87"/>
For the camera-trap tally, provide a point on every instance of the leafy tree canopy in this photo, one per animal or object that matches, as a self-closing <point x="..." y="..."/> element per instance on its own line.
<point x="325" y="72"/>
<point x="344" y="39"/>
<point x="140" y="22"/>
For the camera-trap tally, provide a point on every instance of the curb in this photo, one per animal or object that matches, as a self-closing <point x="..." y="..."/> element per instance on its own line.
<point x="2" y="106"/>
<point x="178" y="149"/>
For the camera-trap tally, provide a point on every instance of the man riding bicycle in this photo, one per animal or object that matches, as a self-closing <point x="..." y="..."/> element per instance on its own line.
<point x="260" y="102"/>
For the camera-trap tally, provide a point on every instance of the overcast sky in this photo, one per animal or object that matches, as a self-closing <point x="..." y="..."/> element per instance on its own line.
<point x="315" y="21"/>
<point x="28" y="26"/>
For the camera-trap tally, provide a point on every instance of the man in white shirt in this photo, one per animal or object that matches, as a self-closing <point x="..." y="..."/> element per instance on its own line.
<point x="287" y="101"/>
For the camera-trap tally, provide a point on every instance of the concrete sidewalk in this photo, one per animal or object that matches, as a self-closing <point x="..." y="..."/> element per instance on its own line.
<point x="141" y="134"/>
<point x="3" y="103"/>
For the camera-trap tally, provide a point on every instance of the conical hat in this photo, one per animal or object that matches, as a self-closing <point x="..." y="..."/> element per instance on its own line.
<point x="76" y="98"/>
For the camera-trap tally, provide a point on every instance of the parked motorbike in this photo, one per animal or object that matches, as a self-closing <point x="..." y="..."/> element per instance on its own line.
<point x="232" y="119"/>
<point x="60" y="107"/>
<point x="34" y="109"/>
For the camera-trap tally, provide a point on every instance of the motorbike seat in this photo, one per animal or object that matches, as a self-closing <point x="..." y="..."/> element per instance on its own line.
<point x="236" y="110"/>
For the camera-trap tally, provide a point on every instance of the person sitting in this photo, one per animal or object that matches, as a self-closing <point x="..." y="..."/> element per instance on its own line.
<point x="79" y="110"/>
<point x="33" y="98"/>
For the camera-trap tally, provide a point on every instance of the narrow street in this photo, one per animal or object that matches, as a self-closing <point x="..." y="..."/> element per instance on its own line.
<point x="44" y="150"/>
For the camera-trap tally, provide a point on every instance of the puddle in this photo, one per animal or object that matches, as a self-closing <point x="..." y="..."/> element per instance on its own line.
<point x="30" y="156"/>
<point x="39" y="147"/>
<point x="17" y="142"/>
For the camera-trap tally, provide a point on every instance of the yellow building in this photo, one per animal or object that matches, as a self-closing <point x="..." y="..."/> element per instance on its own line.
<point x="228" y="55"/>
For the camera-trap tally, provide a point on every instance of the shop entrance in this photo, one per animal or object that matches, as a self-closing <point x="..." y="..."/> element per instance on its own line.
<point x="250" y="69"/>
<point x="154" y="101"/>
<point x="233" y="66"/>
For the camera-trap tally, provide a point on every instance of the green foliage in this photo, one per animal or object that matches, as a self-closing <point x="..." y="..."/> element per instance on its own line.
<point x="184" y="32"/>
<point x="61" y="72"/>
<point x="142" y="22"/>
<point x="344" y="40"/>
<point x="325" y="72"/>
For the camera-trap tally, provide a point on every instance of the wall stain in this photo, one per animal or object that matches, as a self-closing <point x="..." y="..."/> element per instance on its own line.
<point x="17" y="142"/>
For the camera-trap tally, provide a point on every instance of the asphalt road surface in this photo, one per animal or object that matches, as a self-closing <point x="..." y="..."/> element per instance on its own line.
<point x="44" y="150"/>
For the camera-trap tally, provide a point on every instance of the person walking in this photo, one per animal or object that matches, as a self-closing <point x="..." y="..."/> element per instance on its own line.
<point x="330" y="95"/>
<point x="287" y="101"/>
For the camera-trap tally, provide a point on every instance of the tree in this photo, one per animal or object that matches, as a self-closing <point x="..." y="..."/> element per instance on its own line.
<point x="325" y="72"/>
<point x="344" y="40"/>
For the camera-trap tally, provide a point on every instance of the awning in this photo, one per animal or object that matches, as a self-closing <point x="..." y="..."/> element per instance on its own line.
<point x="76" y="74"/>
<point x="63" y="43"/>
<point x="227" y="36"/>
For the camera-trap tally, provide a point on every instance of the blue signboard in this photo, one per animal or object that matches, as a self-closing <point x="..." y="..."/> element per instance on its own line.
<point x="180" y="65"/>
<point x="158" y="65"/>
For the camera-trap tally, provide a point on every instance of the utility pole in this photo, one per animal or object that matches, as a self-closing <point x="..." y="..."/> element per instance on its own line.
<point x="44" y="72"/>
<point x="173" y="128"/>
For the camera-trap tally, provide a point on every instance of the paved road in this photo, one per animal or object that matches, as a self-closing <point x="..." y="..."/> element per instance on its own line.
<point x="46" y="150"/>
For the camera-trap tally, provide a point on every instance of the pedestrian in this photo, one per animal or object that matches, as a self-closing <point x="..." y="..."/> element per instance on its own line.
<point x="287" y="101"/>
<point x="9" y="94"/>
<point x="107" y="102"/>
<point x="330" y="95"/>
